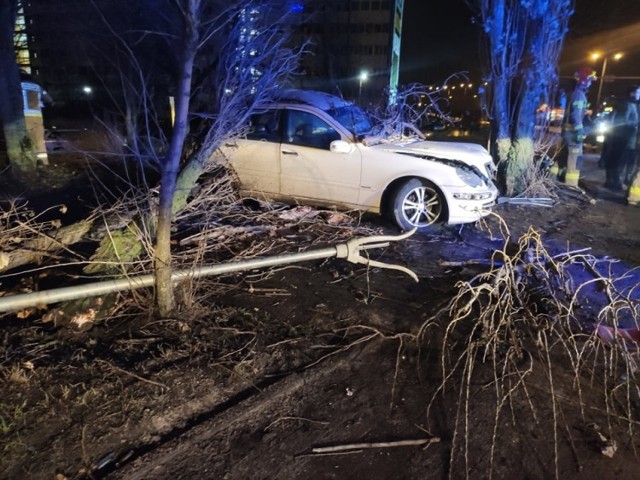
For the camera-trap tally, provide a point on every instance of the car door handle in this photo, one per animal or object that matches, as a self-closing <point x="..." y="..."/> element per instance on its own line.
<point x="289" y="152"/>
<point x="231" y="145"/>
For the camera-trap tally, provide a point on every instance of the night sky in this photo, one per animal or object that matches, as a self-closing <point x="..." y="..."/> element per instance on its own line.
<point x="440" y="38"/>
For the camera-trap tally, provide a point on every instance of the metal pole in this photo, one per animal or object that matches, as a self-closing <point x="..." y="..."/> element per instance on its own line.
<point x="604" y="71"/>
<point x="18" y="302"/>
<point x="350" y="251"/>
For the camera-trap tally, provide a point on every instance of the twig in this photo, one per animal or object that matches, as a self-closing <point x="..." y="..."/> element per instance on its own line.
<point x="482" y="262"/>
<point x="85" y="457"/>
<point x="283" y="342"/>
<point x="142" y="379"/>
<point x="269" y="292"/>
<point x="349" y="452"/>
<point x="282" y="419"/>
<point x="358" y="446"/>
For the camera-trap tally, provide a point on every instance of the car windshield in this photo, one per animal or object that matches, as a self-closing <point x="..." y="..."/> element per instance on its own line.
<point x="353" y="118"/>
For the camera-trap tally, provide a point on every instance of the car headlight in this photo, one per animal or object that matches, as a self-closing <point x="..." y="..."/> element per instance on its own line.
<point x="472" y="196"/>
<point x="469" y="177"/>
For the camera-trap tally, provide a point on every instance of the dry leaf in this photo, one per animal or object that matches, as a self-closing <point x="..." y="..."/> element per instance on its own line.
<point x="53" y="316"/>
<point x="18" y="376"/>
<point x="26" y="313"/>
<point x="84" y="320"/>
<point x="4" y="260"/>
<point x="610" y="449"/>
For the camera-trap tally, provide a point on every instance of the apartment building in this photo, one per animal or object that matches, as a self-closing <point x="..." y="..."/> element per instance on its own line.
<point x="351" y="46"/>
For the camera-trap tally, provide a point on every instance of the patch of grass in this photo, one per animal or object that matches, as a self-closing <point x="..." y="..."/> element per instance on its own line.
<point x="11" y="417"/>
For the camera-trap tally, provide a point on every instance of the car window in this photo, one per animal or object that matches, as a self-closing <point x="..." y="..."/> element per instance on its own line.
<point x="307" y="130"/>
<point x="265" y="126"/>
<point x="352" y="117"/>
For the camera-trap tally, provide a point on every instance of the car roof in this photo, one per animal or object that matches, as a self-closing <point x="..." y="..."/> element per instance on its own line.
<point x="322" y="100"/>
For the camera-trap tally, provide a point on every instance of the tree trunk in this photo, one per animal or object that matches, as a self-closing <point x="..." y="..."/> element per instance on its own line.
<point x="20" y="147"/>
<point x="524" y="40"/>
<point x="164" y="286"/>
<point x="519" y="162"/>
<point x="45" y="245"/>
<point x="502" y="140"/>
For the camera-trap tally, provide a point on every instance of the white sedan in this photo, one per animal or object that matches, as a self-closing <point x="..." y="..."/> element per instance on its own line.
<point x="317" y="149"/>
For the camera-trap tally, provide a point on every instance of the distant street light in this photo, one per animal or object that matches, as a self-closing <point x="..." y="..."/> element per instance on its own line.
<point x="363" y="77"/>
<point x="596" y="56"/>
<point x="86" y="89"/>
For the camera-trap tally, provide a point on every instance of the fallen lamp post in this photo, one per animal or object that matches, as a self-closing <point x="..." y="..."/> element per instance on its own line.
<point x="350" y="251"/>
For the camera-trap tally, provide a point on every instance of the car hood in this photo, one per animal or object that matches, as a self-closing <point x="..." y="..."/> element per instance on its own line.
<point x="469" y="153"/>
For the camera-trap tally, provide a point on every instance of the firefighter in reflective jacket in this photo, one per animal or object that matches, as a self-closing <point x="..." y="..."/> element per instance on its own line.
<point x="573" y="130"/>
<point x="633" y="195"/>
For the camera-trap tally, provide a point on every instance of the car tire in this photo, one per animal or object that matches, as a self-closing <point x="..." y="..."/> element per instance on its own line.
<point x="418" y="203"/>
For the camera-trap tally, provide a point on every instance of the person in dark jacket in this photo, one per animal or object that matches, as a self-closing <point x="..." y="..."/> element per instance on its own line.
<point x="620" y="157"/>
<point x="631" y="153"/>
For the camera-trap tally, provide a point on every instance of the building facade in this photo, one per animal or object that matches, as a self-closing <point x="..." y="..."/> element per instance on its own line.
<point x="350" y="46"/>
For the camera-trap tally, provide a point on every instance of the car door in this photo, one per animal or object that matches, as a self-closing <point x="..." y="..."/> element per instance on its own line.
<point x="309" y="169"/>
<point x="256" y="158"/>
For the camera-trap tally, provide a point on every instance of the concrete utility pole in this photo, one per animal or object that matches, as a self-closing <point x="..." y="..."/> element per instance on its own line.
<point x="395" y="51"/>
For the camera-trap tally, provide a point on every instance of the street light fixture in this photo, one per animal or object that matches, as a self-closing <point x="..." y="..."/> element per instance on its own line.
<point x="363" y="77"/>
<point x="605" y="58"/>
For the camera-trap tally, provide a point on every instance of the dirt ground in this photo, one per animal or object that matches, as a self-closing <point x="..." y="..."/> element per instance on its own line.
<point x="330" y="370"/>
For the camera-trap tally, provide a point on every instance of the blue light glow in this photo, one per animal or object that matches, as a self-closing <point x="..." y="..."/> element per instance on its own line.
<point x="296" y="8"/>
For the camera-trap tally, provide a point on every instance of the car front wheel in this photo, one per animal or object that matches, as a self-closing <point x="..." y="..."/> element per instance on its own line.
<point x="417" y="203"/>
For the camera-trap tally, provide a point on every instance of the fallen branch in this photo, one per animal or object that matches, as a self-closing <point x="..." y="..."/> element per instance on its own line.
<point x="360" y="446"/>
<point x="535" y="202"/>
<point x="34" y="250"/>
<point x="225" y="232"/>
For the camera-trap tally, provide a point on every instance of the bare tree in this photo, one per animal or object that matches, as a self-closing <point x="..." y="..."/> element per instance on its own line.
<point x="191" y="11"/>
<point x="523" y="44"/>
<point x="20" y="147"/>
<point x="414" y="105"/>
<point x="231" y="59"/>
<point x="251" y="62"/>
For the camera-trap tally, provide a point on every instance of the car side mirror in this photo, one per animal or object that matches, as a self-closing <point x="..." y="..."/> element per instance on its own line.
<point x="340" y="146"/>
